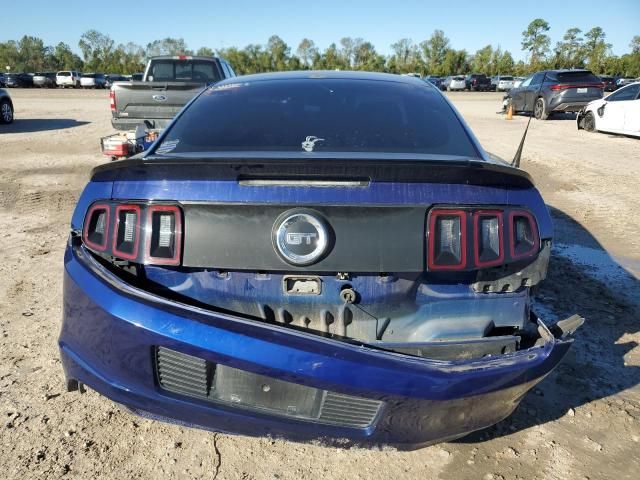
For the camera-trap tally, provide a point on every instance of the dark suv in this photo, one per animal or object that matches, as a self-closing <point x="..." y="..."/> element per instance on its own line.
<point x="18" y="80"/>
<point x="546" y="92"/>
<point x="478" y="82"/>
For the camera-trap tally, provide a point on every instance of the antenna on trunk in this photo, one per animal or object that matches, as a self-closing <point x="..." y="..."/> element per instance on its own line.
<point x="516" y="158"/>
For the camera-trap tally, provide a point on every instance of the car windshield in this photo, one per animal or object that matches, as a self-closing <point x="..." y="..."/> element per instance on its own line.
<point x="320" y="115"/>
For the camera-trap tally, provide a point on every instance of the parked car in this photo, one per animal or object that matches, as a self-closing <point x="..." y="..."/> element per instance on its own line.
<point x="436" y="81"/>
<point x="617" y="113"/>
<point x="2" y="79"/>
<point x="325" y="263"/>
<point x="609" y="83"/>
<point x="112" y="78"/>
<point x="44" y="79"/>
<point x="6" y="107"/>
<point x="454" y="83"/>
<point x="517" y="81"/>
<point x="621" y="82"/>
<point x="561" y="91"/>
<point x="477" y="82"/>
<point x="23" y="80"/>
<point x="137" y="77"/>
<point x="93" y="80"/>
<point x="68" y="78"/>
<point x="501" y="83"/>
<point x="169" y="82"/>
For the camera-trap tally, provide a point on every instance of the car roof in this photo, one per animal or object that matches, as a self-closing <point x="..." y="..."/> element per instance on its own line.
<point x="326" y="74"/>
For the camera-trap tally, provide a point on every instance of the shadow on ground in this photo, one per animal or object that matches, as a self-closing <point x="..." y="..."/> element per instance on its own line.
<point x="29" y="125"/>
<point x="595" y="366"/>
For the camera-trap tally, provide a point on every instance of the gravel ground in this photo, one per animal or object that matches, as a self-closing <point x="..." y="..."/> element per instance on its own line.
<point x="582" y="422"/>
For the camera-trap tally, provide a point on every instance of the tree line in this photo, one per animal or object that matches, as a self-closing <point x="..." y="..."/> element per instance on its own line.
<point x="433" y="56"/>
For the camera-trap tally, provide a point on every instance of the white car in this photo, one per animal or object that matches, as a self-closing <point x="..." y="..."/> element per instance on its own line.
<point x="517" y="81"/>
<point x="456" y="83"/>
<point x="68" y="78"/>
<point x="93" y="80"/>
<point x="617" y="113"/>
<point x="503" y="83"/>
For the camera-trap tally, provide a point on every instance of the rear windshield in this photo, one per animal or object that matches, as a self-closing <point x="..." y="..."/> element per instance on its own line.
<point x="89" y="75"/>
<point x="506" y="78"/>
<point x="184" y="71"/>
<point x="579" y="76"/>
<point x="320" y="115"/>
<point x="459" y="78"/>
<point x="64" y="74"/>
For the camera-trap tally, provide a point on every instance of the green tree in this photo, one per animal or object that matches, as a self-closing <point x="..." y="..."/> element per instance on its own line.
<point x="456" y="62"/>
<point x="97" y="49"/>
<point x="405" y="58"/>
<point x="434" y="51"/>
<point x="205" y="52"/>
<point x="481" y="61"/>
<point x="168" y="46"/>
<point x="307" y="52"/>
<point x="596" y="49"/>
<point x="536" y="42"/>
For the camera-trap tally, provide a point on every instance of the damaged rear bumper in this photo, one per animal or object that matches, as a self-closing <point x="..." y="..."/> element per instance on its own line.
<point x="229" y="374"/>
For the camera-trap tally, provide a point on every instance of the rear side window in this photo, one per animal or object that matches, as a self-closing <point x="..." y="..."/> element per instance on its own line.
<point x="575" y="77"/>
<point x="320" y="115"/>
<point x="184" y="70"/>
<point x="626" y="93"/>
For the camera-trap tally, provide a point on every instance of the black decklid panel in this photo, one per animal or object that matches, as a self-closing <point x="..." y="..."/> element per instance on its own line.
<point x="364" y="239"/>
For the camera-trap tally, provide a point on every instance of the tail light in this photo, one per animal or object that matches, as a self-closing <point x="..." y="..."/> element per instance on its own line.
<point x="163" y="245"/>
<point x="488" y="236"/>
<point x="148" y="234"/>
<point x="126" y="234"/>
<point x="500" y="236"/>
<point x="523" y="234"/>
<point x="566" y="86"/>
<point x="96" y="227"/>
<point x="448" y="240"/>
<point x="112" y="100"/>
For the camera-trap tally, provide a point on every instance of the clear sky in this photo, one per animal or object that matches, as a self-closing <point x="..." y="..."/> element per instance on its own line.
<point x="215" y="24"/>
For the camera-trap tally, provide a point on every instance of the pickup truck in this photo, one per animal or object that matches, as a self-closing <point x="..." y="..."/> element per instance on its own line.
<point x="478" y="82"/>
<point x="168" y="83"/>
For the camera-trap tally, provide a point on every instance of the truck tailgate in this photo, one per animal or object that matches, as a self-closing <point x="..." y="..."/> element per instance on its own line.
<point x="152" y="100"/>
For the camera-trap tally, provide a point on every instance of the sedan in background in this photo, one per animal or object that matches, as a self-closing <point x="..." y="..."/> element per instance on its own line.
<point x="501" y="83"/>
<point x="23" y="80"/>
<point x="112" y="78"/>
<point x="436" y="81"/>
<point x="44" y="80"/>
<point x="93" y="80"/>
<point x="550" y="91"/>
<point x="455" y="83"/>
<point x="6" y="107"/>
<point x="621" y="82"/>
<point x="617" y="113"/>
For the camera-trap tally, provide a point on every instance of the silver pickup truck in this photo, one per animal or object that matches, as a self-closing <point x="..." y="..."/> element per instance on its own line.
<point x="169" y="82"/>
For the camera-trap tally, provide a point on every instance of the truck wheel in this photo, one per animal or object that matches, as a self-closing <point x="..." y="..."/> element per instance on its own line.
<point x="589" y="122"/>
<point x="6" y="111"/>
<point x="540" y="109"/>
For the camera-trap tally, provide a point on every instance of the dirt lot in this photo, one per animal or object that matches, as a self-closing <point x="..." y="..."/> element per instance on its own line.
<point x="583" y="422"/>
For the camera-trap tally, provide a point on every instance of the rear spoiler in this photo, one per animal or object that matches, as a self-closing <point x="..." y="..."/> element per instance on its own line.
<point x="473" y="172"/>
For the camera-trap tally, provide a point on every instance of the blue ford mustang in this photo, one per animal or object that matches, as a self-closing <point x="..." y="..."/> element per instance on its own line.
<point x="312" y="255"/>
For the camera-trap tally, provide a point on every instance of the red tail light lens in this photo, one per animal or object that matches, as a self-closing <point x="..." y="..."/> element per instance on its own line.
<point x="523" y="233"/>
<point x="488" y="237"/>
<point x="499" y="236"/>
<point x="95" y="233"/>
<point x="165" y="240"/>
<point x="447" y="246"/>
<point x="112" y="100"/>
<point x="126" y="233"/>
<point x="565" y="86"/>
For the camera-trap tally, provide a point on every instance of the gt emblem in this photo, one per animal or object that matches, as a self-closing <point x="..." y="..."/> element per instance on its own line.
<point x="298" y="238"/>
